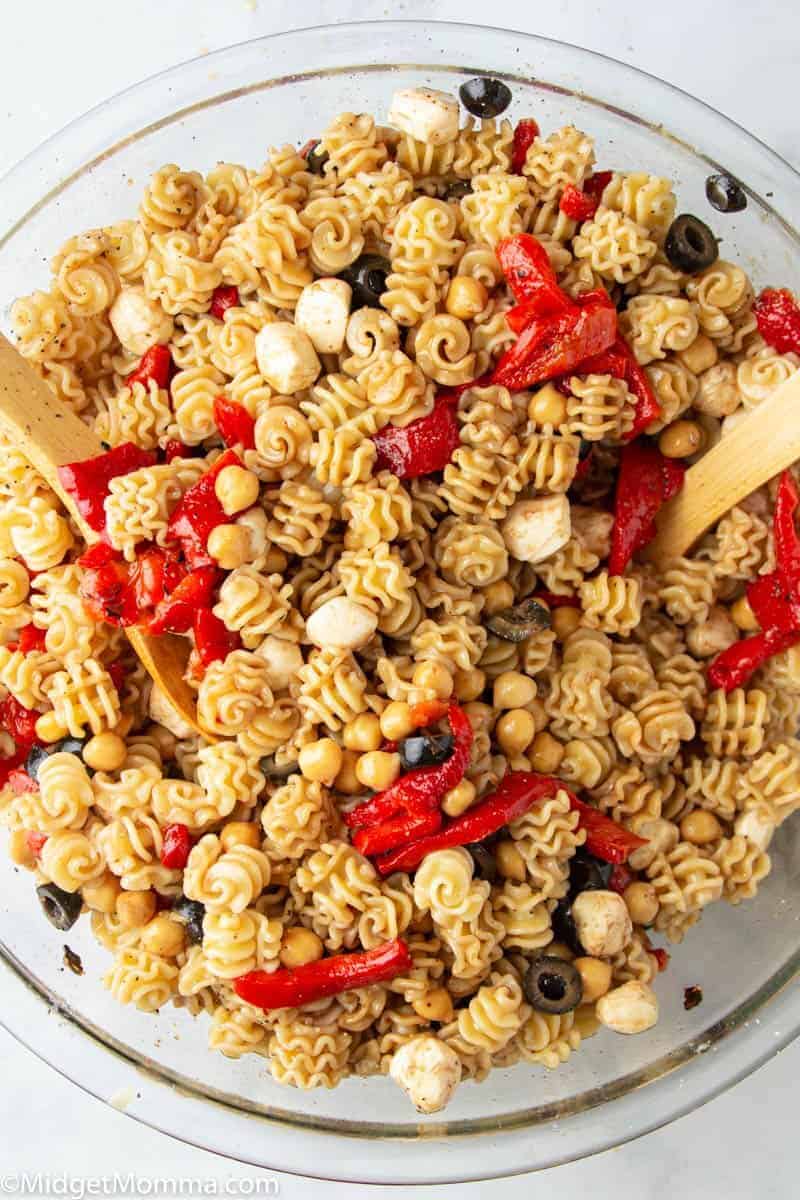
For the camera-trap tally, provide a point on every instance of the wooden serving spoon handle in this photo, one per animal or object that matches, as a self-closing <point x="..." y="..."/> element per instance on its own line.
<point x="761" y="445"/>
<point x="50" y="435"/>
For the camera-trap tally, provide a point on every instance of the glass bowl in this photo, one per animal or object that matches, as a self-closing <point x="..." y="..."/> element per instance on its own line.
<point x="233" y="105"/>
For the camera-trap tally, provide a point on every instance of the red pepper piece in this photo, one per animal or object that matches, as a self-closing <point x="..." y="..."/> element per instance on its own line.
<point x="212" y="641"/>
<point x="424" y="446"/>
<point x="327" y="977"/>
<point x="555" y="345"/>
<point x="155" y="364"/>
<point x="35" y="842"/>
<point x="619" y="360"/>
<point x="30" y="638"/>
<point x="605" y="838"/>
<point x="531" y="278"/>
<point x="20" y="722"/>
<point x="175" y="449"/>
<point x="175" y="847"/>
<point x="578" y="205"/>
<point x="787" y="540"/>
<point x="426" y="712"/>
<point x="223" y="298"/>
<point x="235" y="425"/>
<point x="621" y="877"/>
<point x="778" y="317"/>
<point x="117" y="670"/>
<point x="176" y="611"/>
<point x="87" y="481"/>
<point x="525" y="134"/>
<point x="397" y="831"/>
<point x="646" y="481"/>
<point x="733" y="667"/>
<point x="198" y="512"/>
<point x="661" y="956"/>
<point x="421" y="790"/>
<point x="9" y="764"/>
<point x="20" y="781"/>
<point x="308" y="146"/>
<point x="106" y="594"/>
<point x="553" y="601"/>
<point x="596" y="184"/>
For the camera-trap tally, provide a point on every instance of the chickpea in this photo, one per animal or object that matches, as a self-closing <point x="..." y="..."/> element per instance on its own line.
<point x="642" y="901"/>
<point x="515" y="731"/>
<point x="539" y="714"/>
<point x="163" y="936"/>
<point x="513" y="690"/>
<point x="396" y="722"/>
<point x="510" y="862"/>
<point x="466" y="297"/>
<point x="20" y="851"/>
<point x="276" y="561"/>
<point x="459" y="798"/>
<point x="49" y="728"/>
<point x="700" y="827"/>
<point x="240" y="833"/>
<point x="498" y="596"/>
<point x="699" y="356"/>
<point x="743" y="616"/>
<point x="435" y="677"/>
<point x="300" y="945"/>
<point x="564" y="621"/>
<point x="135" y="909"/>
<point x="547" y="406"/>
<point x="363" y="733"/>
<point x="469" y="684"/>
<point x="681" y="439"/>
<point x="236" y="488"/>
<point x="377" y="769"/>
<point x="595" y="975"/>
<point x="347" y="781"/>
<point x="321" y="761"/>
<point x="100" y="895"/>
<point x="546" y="753"/>
<point x="435" y="1005"/>
<point x="105" y="752"/>
<point x="229" y="546"/>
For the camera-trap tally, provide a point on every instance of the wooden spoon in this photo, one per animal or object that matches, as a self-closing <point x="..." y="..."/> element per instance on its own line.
<point x="761" y="445"/>
<point x="51" y="435"/>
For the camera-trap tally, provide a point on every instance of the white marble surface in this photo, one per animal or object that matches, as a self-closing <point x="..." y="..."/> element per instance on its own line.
<point x="58" y="59"/>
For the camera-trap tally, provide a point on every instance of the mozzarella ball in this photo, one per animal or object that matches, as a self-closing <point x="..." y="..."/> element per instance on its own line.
<point x="286" y="357"/>
<point x="323" y="311"/>
<point x="603" y="923"/>
<point x="428" y="1071"/>
<point x="425" y="114"/>
<point x="284" y="659"/>
<point x="632" y="1008"/>
<point x="341" y="623"/>
<point x="139" y="323"/>
<point x="535" y="529"/>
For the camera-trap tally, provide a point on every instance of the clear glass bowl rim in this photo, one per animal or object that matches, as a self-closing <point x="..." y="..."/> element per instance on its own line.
<point x="90" y="1057"/>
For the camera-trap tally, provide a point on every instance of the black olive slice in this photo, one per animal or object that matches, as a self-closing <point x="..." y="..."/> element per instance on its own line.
<point x="61" y="908"/>
<point x="485" y="865"/>
<point x="564" y="928"/>
<point x="191" y="912"/>
<point x="553" y="985"/>
<point x="367" y="278"/>
<point x="37" y="755"/>
<point x="316" y="159"/>
<point x="425" y="750"/>
<point x="690" y="245"/>
<point x="485" y="97"/>
<point x="458" y="190"/>
<point x="725" y="194"/>
<point x="520" y="622"/>
<point x="587" y="874"/>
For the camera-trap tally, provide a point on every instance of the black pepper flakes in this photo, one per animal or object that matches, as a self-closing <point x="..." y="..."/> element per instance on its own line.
<point x="73" y="961"/>
<point x="692" y="996"/>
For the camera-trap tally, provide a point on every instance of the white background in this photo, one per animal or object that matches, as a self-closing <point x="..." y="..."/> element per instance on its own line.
<point x="56" y="60"/>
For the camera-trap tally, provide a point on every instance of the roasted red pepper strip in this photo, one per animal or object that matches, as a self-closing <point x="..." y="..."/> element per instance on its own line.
<point x="531" y="278"/>
<point x="596" y="184"/>
<point x="605" y="838"/>
<point x="787" y="540"/>
<point x="422" y="447"/>
<point x="30" y="638"/>
<point x="326" y="977"/>
<point x="397" y="831"/>
<point x="421" y="790"/>
<point x="20" y="722"/>
<point x="223" y="298"/>
<point x="212" y="639"/>
<point x="87" y="481"/>
<point x="525" y="134"/>
<point x="621" y="877"/>
<point x="646" y="481"/>
<point x="778" y="317"/>
<point x="198" y="512"/>
<point x="35" y="842"/>
<point x="734" y="666"/>
<point x="175" y="847"/>
<point x="156" y="365"/>
<point x="175" y="449"/>
<point x="176" y="611"/>
<point x="236" y="426"/>
<point x="578" y="205"/>
<point x="556" y="345"/>
<point x="554" y="601"/>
